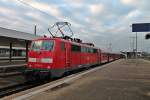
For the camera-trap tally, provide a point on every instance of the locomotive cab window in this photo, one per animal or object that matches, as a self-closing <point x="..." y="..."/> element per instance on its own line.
<point x="42" y="45"/>
<point x="95" y="50"/>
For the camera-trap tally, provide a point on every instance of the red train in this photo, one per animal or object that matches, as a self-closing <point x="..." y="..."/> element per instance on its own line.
<point x="56" y="56"/>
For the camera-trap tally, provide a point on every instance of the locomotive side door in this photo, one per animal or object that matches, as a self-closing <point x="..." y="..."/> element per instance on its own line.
<point x="61" y="54"/>
<point x="64" y="55"/>
<point x="68" y="55"/>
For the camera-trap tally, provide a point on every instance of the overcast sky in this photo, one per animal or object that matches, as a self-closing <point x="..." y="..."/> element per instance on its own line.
<point x="99" y="21"/>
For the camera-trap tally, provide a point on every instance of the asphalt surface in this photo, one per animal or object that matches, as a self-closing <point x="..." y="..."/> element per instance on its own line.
<point x="122" y="80"/>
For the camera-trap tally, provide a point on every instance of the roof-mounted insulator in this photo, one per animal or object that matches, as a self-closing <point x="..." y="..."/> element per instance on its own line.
<point x="90" y="44"/>
<point x="45" y="36"/>
<point x="77" y="40"/>
<point x="67" y="38"/>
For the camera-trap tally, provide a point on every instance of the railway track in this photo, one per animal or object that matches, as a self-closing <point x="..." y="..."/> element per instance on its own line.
<point x="7" y="71"/>
<point x="13" y="89"/>
<point x="10" y="74"/>
<point x="5" y="91"/>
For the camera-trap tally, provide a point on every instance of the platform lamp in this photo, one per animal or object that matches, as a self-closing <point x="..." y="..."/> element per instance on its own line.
<point x="35" y="30"/>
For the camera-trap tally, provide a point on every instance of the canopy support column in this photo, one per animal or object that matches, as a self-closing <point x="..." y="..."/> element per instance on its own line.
<point x="10" y="52"/>
<point x="27" y="43"/>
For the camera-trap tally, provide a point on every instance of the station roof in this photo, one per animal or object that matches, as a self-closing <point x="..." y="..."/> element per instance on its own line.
<point x="9" y="33"/>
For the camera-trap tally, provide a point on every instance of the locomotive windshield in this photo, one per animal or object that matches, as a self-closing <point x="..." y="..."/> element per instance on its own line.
<point x="42" y="45"/>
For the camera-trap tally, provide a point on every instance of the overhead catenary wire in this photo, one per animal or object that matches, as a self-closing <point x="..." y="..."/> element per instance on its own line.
<point x="29" y="5"/>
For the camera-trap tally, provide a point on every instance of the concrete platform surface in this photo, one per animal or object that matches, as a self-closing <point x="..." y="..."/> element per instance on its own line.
<point x="121" y="80"/>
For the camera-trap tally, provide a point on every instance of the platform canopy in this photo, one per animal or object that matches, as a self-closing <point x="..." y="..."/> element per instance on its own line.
<point x="16" y="34"/>
<point x="15" y="39"/>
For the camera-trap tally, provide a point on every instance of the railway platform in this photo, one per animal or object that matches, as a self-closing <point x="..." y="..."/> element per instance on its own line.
<point x="119" y="80"/>
<point x="11" y="64"/>
<point x="11" y="68"/>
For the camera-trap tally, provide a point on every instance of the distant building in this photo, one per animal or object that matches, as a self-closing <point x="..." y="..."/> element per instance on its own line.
<point x="131" y="55"/>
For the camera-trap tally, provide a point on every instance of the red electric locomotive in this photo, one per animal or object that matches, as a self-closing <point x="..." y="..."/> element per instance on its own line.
<point x="57" y="55"/>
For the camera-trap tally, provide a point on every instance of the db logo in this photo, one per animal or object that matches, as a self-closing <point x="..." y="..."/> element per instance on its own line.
<point x="38" y="52"/>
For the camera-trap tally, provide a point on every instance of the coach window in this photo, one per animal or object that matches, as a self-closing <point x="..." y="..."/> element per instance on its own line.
<point x="91" y="50"/>
<point x="95" y="50"/>
<point x="75" y="48"/>
<point x="83" y="49"/>
<point x="88" y="50"/>
<point x="62" y="46"/>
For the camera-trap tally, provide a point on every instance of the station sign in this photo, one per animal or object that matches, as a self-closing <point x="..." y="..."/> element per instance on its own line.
<point x="141" y="27"/>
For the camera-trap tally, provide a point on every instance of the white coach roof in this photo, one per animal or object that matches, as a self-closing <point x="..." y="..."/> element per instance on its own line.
<point x="16" y="34"/>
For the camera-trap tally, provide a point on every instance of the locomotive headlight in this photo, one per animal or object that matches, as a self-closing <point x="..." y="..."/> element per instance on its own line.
<point x="47" y="60"/>
<point x="30" y="65"/>
<point x="32" y="60"/>
<point x="49" y="67"/>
